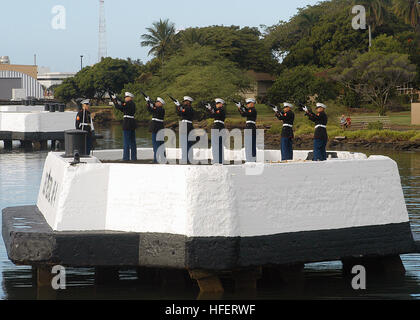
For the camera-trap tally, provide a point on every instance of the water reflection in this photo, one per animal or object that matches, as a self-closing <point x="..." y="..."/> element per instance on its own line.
<point x="20" y="175"/>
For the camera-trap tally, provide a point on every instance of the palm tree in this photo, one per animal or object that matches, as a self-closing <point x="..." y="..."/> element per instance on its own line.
<point x="376" y="12"/>
<point x="159" y="37"/>
<point x="307" y="22"/>
<point x="193" y="36"/>
<point x="409" y="11"/>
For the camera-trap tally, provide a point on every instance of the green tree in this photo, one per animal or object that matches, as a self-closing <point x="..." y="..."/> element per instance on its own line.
<point x="192" y="36"/>
<point x="374" y="75"/>
<point x="159" y="38"/>
<point x="376" y="11"/>
<point x="329" y="33"/>
<point x="110" y="75"/>
<point x="93" y="82"/>
<point x="67" y="91"/>
<point x="387" y="44"/>
<point x="242" y="46"/>
<point x="200" y="72"/>
<point x="409" y="11"/>
<point x="300" y="84"/>
<point x="85" y="83"/>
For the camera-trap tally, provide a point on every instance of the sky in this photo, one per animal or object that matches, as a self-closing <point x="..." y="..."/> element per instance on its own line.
<point x="29" y="27"/>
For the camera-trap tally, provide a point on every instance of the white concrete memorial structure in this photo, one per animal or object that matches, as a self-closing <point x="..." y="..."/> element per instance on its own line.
<point x="32" y="124"/>
<point x="212" y="217"/>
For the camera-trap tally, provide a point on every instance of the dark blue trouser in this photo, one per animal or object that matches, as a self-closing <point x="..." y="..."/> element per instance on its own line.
<point x="89" y="143"/>
<point x="185" y="145"/>
<point x="130" y="145"/>
<point x="320" y="151"/>
<point x="251" y="146"/>
<point x="217" y="150"/>
<point x="156" y="145"/>
<point x="286" y="149"/>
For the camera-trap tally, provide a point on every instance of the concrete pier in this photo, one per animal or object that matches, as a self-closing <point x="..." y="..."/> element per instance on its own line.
<point x="31" y="125"/>
<point x="33" y="242"/>
<point x="214" y="221"/>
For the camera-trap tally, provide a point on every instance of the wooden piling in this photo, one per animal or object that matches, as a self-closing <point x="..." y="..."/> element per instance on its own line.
<point x="44" y="276"/>
<point x="208" y="282"/>
<point x="8" y="145"/>
<point x="53" y="144"/>
<point x="26" y="144"/>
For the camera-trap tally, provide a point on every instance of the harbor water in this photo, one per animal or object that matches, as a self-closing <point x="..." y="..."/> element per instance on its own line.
<point x="20" y="176"/>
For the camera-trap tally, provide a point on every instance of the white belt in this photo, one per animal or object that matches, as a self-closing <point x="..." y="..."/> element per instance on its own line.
<point x="287" y="125"/>
<point x="158" y="120"/>
<point x="253" y="122"/>
<point x="187" y="121"/>
<point x="320" y="126"/>
<point x="130" y="117"/>
<point x="219" y="121"/>
<point x="85" y="124"/>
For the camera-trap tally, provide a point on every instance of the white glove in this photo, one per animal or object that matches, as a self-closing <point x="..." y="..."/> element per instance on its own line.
<point x="208" y="106"/>
<point x="305" y="108"/>
<point x="276" y="110"/>
<point x="177" y="103"/>
<point x="238" y="104"/>
<point x="147" y="99"/>
<point x="113" y="97"/>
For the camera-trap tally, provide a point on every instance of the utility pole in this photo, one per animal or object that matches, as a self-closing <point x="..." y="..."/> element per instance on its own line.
<point x="102" y="50"/>
<point x="81" y="62"/>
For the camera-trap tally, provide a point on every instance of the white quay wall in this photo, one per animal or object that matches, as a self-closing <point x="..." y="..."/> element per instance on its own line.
<point x="21" y="108"/>
<point x="222" y="200"/>
<point x="37" y="121"/>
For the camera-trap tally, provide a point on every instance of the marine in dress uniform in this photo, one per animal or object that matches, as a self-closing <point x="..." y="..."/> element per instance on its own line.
<point x="186" y="112"/>
<point x="218" y="112"/>
<point x="320" y="137"/>
<point x="84" y="122"/>
<point x="288" y="118"/>
<point x="158" y="117"/>
<point x="128" y="107"/>
<point x="251" y="118"/>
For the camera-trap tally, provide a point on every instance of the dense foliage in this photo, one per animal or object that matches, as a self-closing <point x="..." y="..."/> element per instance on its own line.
<point x="316" y="55"/>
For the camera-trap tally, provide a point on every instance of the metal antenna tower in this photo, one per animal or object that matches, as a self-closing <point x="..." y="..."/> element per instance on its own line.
<point x="102" y="52"/>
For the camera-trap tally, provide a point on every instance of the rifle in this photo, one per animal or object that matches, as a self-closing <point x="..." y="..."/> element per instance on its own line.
<point x="148" y="100"/>
<point x="241" y="107"/>
<point x="274" y="107"/>
<point x="177" y="104"/>
<point x="303" y="107"/>
<point x="173" y="99"/>
<point x="110" y="93"/>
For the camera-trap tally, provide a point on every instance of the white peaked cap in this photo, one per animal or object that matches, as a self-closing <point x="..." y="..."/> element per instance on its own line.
<point x="161" y="100"/>
<point x="218" y="100"/>
<point x="187" y="98"/>
<point x="286" y="104"/>
<point x="250" y="100"/>
<point x="128" y="94"/>
<point x="86" y="101"/>
<point x="321" y="105"/>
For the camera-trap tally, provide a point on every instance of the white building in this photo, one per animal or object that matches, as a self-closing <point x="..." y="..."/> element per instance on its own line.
<point x="48" y="78"/>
